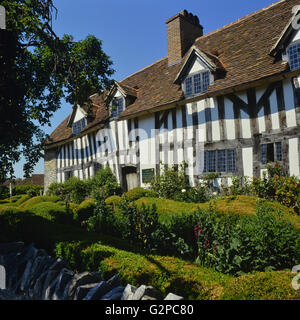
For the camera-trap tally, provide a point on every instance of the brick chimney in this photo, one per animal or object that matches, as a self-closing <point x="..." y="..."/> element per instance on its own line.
<point x="182" y="30"/>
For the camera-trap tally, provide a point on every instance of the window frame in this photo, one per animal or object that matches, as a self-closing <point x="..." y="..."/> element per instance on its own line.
<point x="297" y="42"/>
<point x="264" y="159"/>
<point x="115" y="113"/>
<point x="81" y="126"/>
<point x="192" y="77"/>
<point x="217" y="158"/>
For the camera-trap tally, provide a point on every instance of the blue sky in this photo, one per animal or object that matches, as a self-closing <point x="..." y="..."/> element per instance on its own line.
<point x="134" y="32"/>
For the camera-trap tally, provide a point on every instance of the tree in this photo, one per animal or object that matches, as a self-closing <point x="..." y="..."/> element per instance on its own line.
<point x="38" y="70"/>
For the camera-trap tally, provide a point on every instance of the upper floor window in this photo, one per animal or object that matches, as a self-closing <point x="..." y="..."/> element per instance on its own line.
<point x="294" y="56"/>
<point x="78" y="126"/>
<point x="197" y="83"/>
<point x="117" y="107"/>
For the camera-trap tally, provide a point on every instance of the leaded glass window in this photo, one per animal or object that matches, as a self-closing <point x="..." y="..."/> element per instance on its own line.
<point x="294" y="56"/>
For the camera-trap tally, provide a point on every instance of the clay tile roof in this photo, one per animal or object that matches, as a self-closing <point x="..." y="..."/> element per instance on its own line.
<point x="241" y="48"/>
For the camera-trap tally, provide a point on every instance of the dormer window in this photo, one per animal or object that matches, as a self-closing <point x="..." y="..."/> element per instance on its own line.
<point x="78" y="126"/>
<point x="197" y="83"/>
<point x="117" y="107"/>
<point x="294" y="56"/>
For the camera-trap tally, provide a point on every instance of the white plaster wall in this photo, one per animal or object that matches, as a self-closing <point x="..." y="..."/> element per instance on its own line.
<point x="248" y="162"/>
<point x="79" y="114"/>
<point x="294" y="157"/>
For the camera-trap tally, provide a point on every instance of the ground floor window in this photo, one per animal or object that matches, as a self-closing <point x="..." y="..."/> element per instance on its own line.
<point x="271" y="152"/>
<point x="222" y="161"/>
<point x="68" y="175"/>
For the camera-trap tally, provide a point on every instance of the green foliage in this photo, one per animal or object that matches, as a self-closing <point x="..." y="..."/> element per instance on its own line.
<point x="137" y="193"/>
<point x="171" y="182"/>
<point x="30" y="190"/>
<point x="105" y="182"/>
<point x="85" y="210"/>
<point x="35" y="200"/>
<point x="73" y="190"/>
<point x="4" y="192"/>
<point x="275" y="285"/>
<point x="38" y="70"/>
<point x="53" y="212"/>
<point x="236" y="244"/>
<point x="276" y="186"/>
<point x="239" y="186"/>
<point x="167" y="274"/>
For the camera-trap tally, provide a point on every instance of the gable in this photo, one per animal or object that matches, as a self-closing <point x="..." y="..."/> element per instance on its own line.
<point x="79" y="115"/>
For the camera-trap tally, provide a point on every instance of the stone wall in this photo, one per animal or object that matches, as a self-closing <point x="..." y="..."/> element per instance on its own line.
<point x="50" y="164"/>
<point x="31" y="274"/>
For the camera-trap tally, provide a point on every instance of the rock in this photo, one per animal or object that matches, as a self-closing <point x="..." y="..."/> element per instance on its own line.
<point x="2" y="278"/>
<point x="39" y="265"/>
<point x="38" y="287"/>
<point x="80" y="280"/>
<point x="63" y="279"/>
<point x="51" y="275"/>
<point x="82" y="291"/>
<point x="148" y="298"/>
<point x="145" y="291"/>
<point x="115" y="281"/>
<point x="172" y="296"/>
<point x="114" y="294"/>
<point x="6" y="248"/>
<point x="98" y="291"/>
<point x="129" y="292"/>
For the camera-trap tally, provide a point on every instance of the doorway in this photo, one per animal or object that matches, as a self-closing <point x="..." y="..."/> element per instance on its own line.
<point x="130" y="178"/>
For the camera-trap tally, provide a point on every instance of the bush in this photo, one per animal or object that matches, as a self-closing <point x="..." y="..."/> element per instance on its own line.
<point x="85" y="210"/>
<point x="167" y="274"/>
<point x="30" y="189"/>
<point x="4" y="192"/>
<point x="105" y="182"/>
<point x="239" y="244"/>
<point x="35" y="200"/>
<point x="113" y="202"/>
<point x="53" y="212"/>
<point x="170" y="183"/>
<point x="15" y="201"/>
<point x="262" y="286"/>
<point x="138" y="193"/>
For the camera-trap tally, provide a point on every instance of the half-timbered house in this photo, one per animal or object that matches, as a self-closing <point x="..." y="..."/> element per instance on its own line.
<point x="225" y="102"/>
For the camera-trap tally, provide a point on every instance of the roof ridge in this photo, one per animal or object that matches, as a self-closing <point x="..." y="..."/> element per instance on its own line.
<point x="150" y="65"/>
<point x="241" y="19"/>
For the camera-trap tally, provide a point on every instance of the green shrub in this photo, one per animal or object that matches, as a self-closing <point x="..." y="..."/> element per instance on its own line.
<point x="239" y="244"/>
<point x="53" y="212"/>
<point x="104" y="182"/>
<point x="113" y="202"/>
<point x="266" y="286"/>
<point x="4" y="192"/>
<point x="15" y="201"/>
<point x="85" y="210"/>
<point x="30" y="189"/>
<point x="54" y="189"/>
<point x="170" y="183"/>
<point x="167" y="274"/>
<point x="35" y="200"/>
<point x="138" y="193"/>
